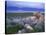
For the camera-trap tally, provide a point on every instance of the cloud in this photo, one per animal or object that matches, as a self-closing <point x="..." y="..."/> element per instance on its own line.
<point x="25" y="4"/>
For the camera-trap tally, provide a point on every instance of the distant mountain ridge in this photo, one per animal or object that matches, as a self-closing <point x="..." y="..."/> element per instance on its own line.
<point x="14" y="9"/>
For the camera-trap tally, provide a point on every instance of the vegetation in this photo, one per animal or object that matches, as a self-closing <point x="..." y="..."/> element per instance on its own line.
<point x="14" y="29"/>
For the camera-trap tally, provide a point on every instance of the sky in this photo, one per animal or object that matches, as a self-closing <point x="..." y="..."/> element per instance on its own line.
<point x="28" y="0"/>
<point x="20" y="6"/>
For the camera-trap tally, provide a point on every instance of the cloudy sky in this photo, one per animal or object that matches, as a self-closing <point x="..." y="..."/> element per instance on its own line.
<point x="24" y="6"/>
